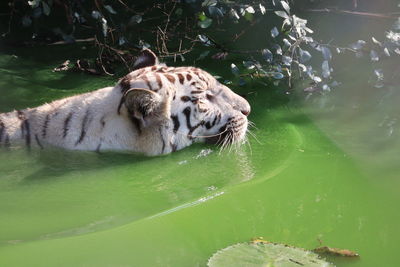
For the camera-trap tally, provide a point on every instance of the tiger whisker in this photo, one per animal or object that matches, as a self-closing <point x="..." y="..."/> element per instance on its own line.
<point x="254" y="136"/>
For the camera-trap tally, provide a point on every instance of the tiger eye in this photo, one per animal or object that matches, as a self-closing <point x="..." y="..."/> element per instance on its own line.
<point x="185" y="98"/>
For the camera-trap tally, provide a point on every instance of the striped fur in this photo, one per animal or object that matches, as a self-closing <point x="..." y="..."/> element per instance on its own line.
<point x="154" y="110"/>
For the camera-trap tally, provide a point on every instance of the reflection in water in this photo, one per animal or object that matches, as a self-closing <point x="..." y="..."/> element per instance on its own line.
<point x="244" y="163"/>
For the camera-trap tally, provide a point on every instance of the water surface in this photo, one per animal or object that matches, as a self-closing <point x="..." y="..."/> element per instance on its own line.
<point x="322" y="170"/>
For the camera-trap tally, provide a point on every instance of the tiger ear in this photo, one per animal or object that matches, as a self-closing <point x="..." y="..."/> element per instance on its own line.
<point x="143" y="104"/>
<point x="145" y="58"/>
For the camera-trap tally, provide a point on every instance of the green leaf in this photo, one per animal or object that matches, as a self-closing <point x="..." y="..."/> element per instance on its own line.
<point x="265" y="254"/>
<point x="204" y="23"/>
<point x="202" y="16"/>
<point x="248" y="16"/>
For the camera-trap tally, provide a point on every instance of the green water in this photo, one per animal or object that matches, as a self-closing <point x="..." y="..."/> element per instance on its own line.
<point x="307" y="176"/>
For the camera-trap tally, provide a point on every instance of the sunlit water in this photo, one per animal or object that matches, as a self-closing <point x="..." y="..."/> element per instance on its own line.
<point x="325" y="170"/>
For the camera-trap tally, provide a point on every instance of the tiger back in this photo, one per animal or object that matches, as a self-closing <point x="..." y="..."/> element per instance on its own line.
<point x="153" y="110"/>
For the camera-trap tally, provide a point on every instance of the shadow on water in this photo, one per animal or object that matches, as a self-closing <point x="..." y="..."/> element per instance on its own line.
<point x="57" y="162"/>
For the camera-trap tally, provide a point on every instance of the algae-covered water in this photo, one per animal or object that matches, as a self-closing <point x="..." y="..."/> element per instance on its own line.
<point x="325" y="170"/>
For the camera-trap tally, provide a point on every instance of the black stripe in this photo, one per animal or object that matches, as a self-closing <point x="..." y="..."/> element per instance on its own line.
<point x="20" y="115"/>
<point x="176" y="122"/>
<point x="2" y="127"/>
<point x="194" y="128"/>
<point x="28" y="133"/>
<point x="163" y="142"/>
<point x="85" y="123"/>
<point x="25" y="127"/>
<point x="98" y="147"/>
<point x="125" y="83"/>
<point x="7" y="141"/>
<point x="66" y="124"/>
<point x="136" y="122"/>
<point x="191" y="128"/>
<point x="209" y="124"/>
<point x="45" y="124"/>
<point x="103" y="122"/>
<point x="187" y="112"/>
<point x="38" y="141"/>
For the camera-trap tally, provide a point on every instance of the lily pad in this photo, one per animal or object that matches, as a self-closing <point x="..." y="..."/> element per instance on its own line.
<point x="254" y="254"/>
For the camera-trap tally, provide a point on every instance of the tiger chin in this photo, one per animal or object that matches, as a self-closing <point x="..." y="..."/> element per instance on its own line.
<point x="153" y="110"/>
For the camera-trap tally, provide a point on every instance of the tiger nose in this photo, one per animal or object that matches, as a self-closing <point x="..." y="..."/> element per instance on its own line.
<point x="245" y="112"/>
<point x="245" y="107"/>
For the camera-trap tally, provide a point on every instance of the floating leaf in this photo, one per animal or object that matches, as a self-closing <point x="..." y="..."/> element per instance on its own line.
<point x="205" y="23"/>
<point x="209" y="3"/>
<point x="265" y="254"/>
<point x="204" y="39"/>
<point x="233" y="14"/>
<point x="278" y="49"/>
<point x="104" y="26"/>
<point x="248" y="16"/>
<point x="302" y="67"/>
<point x="286" y="60"/>
<point x="96" y="14"/>
<point x="278" y="75"/>
<point x="110" y="9"/>
<point x="122" y="40"/>
<point x="136" y="19"/>
<point x="250" y="10"/>
<point x="326" y="72"/>
<point x="282" y="14"/>
<point x="326" y="88"/>
<point x="335" y="84"/>
<point x="262" y="9"/>
<point x="249" y="64"/>
<point x="235" y="69"/>
<point x="326" y="52"/>
<point x="376" y="41"/>
<point x="286" y="43"/>
<point x="374" y="55"/>
<point x="379" y="74"/>
<point x="34" y="3"/>
<point x="358" y="45"/>
<point x="317" y="79"/>
<point x="285" y="6"/>
<point x="274" y="32"/>
<point x="215" y="11"/>
<point x="267" y="54"/>
<point x="304" y="55"/>
<point x="386" y="51"/>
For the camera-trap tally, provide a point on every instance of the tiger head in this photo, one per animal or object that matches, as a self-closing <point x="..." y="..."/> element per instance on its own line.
<point x="183" y="104"/>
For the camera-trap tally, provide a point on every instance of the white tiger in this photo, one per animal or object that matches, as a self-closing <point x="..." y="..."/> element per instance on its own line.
<point x="154" y="110"/>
